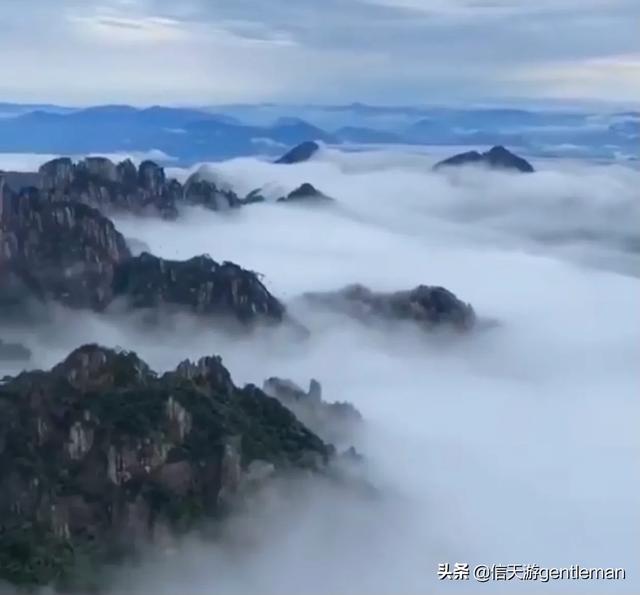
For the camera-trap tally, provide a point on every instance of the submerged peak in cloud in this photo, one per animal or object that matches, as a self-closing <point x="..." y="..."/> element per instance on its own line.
<point x="431" y="307"/>
<point x="199" y="284"/>
<point x="65" y="251"/>
<point x="553" y="382"/>
<point x="111" y="187"/>
<point x="333" y="422"/>
<point x="497" y="157"/>
<point x="302" y="152"/>
<point x="305" y="192"/>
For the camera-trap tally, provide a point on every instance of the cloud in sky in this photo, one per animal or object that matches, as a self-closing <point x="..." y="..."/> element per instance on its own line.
<point x="384" y="51"/>
<point x="515" y="445"/>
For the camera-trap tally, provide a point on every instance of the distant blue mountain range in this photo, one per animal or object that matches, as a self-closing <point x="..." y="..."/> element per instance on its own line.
<point x="191" y="135"/>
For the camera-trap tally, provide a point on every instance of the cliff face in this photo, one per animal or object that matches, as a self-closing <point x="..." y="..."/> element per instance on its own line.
<point x="60" y="250"/>
<point x="69" y="252"/>
<point x="334" y="422"/>
<point x="202" y="192"/>
<point x="122" y="187"/>
<point x="431" y="307"/>
<point x="200" y="284"/>
<point x="100" y="454"/>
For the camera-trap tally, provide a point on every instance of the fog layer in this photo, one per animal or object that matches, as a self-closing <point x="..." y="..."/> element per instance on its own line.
<point x="518" y="444"/>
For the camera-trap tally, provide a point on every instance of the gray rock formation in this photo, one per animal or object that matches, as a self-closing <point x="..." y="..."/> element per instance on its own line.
<point x="200" y="191"/>
<point x="496" y="158"/>
<point x="302" y="152"/>
<point x="431" y="307"/>
<point x="70" y="253"/>
<point x="333" y="422"/>
<point x="122" y="187"/>
<point x="65" y="251"/>
<point x="199" y="284"/>
<point x="305" y="193"/>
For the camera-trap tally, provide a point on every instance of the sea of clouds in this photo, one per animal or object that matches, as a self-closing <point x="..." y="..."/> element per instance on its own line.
<point x="517" y="444"/>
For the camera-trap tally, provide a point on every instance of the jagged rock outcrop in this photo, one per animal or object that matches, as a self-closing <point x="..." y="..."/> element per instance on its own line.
<point x="100" y="454"/>
<point x="14" y="352"/>
<point x="333" y="422"/>
<point x="70" y="253"/>
<point x="254" y="196"/>
<point x="116" y="188"/>
<point x="200" y="284"/>
<point x="57" y="173"/>
<point x="302" y="152"/>
<point x="200" y="191"/>
<point x="305" y="193"/>
<point x="98" y="182"/>
<point x="497" y="157"/>
<point x="123" y="187"/>
<point x="60" y="250"/>
<point x="431" y="307"/>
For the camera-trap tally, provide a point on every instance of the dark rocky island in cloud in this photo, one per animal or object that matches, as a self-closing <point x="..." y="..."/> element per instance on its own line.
<point x="497" y="157"/>
<point x="122" y="187"/>
<point x="430" y="307"/>
<point x="199" y="284"/>
<point x="302" y="152"/>
<point x="200" y="191"/>
<point x="117" y="188"/>
<point x="305" y="193"/>
<point x="64" y="251"/>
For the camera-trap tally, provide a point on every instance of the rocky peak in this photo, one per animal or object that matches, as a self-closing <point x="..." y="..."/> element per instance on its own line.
<point x="57" y="173"/>
<point x="63" y="250"/>
<point x="430" y="306"/>
<point x="334" y="422"/>
<point x="127" y="174"/>
<point x="302" y="152"/>
<point x="100" y="456"/>
<point x="315" y="390"/>
<point x="198" y="190"/>
<point x="207" y="371"/>
<point x="71" y="253"/>
<point x="100" y="168"/>
<point x="200" y="284"/>
<point x="93" y="367"/>
<point x="151" y="177"/>
<point x="305" y="192"/>
<point x="100" y="183"/>
<point x="497" y="157"/>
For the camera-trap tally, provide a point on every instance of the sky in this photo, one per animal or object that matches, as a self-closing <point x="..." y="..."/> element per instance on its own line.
<point x="379" y="51"/>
